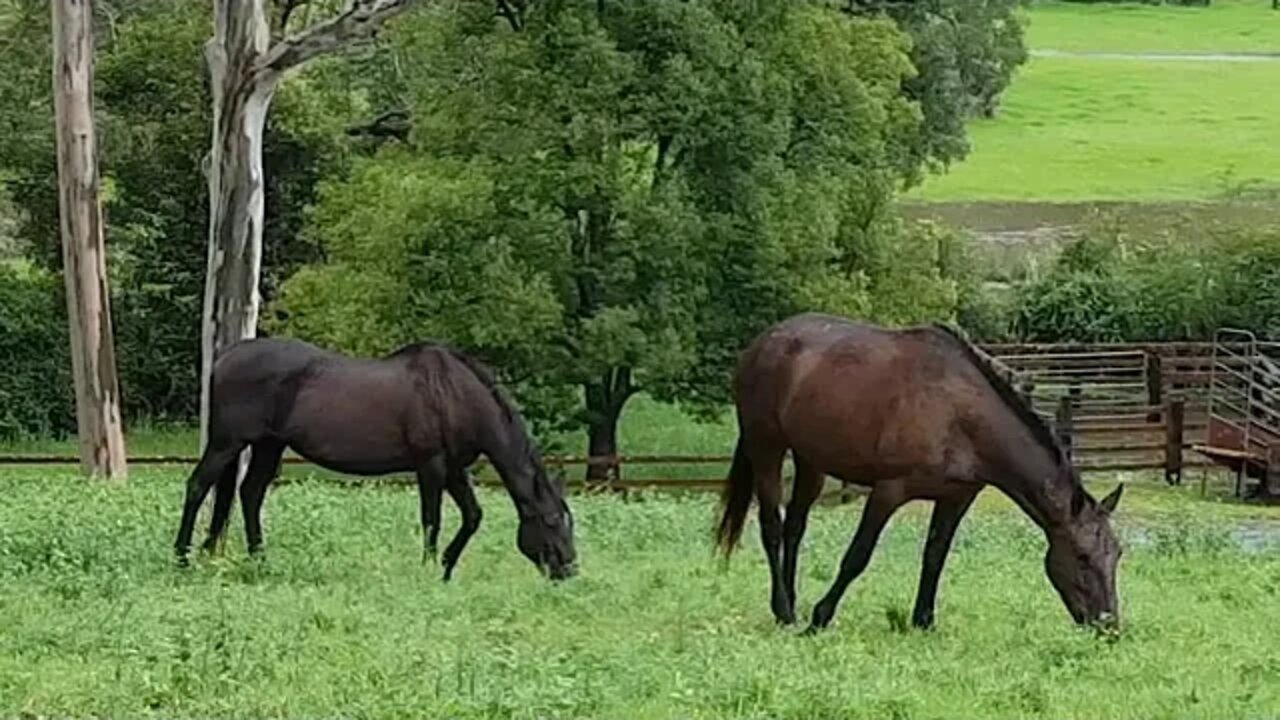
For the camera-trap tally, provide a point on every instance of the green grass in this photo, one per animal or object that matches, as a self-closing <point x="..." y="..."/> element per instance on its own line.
<point x="1225" y="26"/>
<point x="1080" y="129"/>
<point x="340" y="619"/>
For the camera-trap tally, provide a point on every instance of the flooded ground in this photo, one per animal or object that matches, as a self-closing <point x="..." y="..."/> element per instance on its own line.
<point x="1251" y="536"/>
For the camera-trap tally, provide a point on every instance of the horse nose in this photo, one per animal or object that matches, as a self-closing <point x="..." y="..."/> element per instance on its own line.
<point x="564" y="572"/>
<point x="1107" y="623"/>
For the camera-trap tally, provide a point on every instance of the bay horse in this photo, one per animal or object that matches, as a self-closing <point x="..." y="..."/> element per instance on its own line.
<point x="426" y="408"/>
<point x="915" y="413"/>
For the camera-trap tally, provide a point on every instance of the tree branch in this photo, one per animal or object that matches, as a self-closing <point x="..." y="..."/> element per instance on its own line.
<point x="286" y="11"/>
<point x="390" y="124"/>
<point x="358" y="19"/>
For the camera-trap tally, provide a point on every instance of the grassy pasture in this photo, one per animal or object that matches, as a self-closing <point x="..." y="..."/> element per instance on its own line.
<point x="1142" y="129"/>
<point x="1081" y="129"/>
<point x="341" y="619"/>
<point x="1225" y="26"/>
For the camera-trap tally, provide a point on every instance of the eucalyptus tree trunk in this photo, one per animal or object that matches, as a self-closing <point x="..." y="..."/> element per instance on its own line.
<point x="245" y="68"/>
<point x="84" y="267"/>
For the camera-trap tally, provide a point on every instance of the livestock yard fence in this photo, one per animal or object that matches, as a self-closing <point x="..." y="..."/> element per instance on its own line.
<point x="1115" y="406"/>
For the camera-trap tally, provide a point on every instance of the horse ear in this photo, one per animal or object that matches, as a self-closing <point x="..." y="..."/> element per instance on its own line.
<point x="1110" y="501"/>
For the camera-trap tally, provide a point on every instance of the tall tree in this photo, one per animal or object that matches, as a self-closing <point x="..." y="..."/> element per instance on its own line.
<point x="607" y="198"/>
<point x="246" y="67"/>
<point x="101" y="436"/>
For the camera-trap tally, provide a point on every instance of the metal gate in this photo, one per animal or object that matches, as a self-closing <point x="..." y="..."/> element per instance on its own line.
<point x="1244" y="409"/>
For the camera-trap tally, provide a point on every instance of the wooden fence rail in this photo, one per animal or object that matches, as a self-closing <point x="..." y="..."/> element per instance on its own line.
<point x="1133" y="406"/>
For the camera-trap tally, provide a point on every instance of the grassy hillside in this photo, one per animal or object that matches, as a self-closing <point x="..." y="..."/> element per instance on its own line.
<point x="1226" y="25"/>
<point x="1090" y="128"/>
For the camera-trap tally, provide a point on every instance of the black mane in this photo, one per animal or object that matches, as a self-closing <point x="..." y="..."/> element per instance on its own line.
<point x="986" y="365"/>
<point x="477" y="368"/>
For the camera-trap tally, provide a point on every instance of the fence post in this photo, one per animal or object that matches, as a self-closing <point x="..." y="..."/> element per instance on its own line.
<point x="1155" y="384"/>
<point x="1062" y="425"/>
<point x="1271" y="478"/>
<point x="1174" y="412"/>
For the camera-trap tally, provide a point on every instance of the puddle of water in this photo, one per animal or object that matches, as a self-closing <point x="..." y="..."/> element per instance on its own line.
<point x="1249" y="536"/>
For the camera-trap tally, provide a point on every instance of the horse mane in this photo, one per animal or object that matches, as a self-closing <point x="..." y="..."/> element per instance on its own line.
<point x="486" y="378"/>
<point x="997" y="378"/>
<point x="477" y="368"/>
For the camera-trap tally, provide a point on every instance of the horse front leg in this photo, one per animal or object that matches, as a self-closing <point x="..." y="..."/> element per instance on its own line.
<point x="459" y="486"/>
<point x="947" y="514"/>
<point x="886" y="497"/>
<point x="431" y="481"/>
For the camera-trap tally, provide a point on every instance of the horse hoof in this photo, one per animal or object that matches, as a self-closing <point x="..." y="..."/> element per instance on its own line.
<point x="811" y="631"/>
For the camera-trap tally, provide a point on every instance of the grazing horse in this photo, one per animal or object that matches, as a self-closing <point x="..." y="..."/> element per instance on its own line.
<point x="917" y="413"/>
<point x="427" y="409"/>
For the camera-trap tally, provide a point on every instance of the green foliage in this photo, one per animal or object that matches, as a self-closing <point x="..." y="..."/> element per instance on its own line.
<point x="1110" y="285"/>
<point x="614" y="197"/>
<point x="341" y="618"/>
<point x="153" y="107"/>
<point x="35" y="377"/>
<point x="966" y="52"/>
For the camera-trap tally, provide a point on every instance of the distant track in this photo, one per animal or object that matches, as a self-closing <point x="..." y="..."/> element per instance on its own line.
<point x="1163" y="56"/>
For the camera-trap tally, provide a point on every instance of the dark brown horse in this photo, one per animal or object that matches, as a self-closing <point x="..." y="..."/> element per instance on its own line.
<point x="913" y="414"/>
<point x="426" y="408"/>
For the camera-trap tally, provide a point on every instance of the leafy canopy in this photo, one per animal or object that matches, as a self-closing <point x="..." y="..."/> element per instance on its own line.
<point x="606" y="197"/>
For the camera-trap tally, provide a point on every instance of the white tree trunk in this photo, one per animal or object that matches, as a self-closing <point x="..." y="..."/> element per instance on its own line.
<point x="93" y="360"/>
<point x="245" y="69"/>
<point x="236" y="190"/>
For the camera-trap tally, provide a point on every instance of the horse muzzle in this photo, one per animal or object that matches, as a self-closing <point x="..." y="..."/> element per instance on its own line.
<point x="557" y="573"/>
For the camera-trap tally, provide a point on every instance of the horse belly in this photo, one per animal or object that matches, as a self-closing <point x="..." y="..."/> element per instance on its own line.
<point x="866" y="435"/>
<point x="356" y="430"/>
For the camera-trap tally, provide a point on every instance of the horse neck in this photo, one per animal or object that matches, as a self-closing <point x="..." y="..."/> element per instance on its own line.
<point x="512" y="458"/>
<point x="1033" y="477"/>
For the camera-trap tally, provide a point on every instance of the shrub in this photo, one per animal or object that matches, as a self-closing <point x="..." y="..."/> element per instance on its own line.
<point x="35" y="378"/>
<point x="1109" y="286"/>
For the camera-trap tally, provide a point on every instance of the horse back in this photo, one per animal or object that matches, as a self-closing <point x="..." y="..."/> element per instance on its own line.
<point x="860" y="401"/>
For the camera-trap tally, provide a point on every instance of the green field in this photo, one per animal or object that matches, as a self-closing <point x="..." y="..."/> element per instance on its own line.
<point x="1088" y="128"/>
<point x="341" y="619"/>
<point x="1224" y="26"/>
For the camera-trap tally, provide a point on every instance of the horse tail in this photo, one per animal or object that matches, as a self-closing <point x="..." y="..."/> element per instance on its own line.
<point x="739" y="489"/>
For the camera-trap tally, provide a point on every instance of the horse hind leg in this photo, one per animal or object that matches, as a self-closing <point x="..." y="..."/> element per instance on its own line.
<point x="217" y="458"/>
<point x="263" y="467"/>
<point x="766" y="469"/>
<point x="224" y="493"/>
<point x="805" y="491"/>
